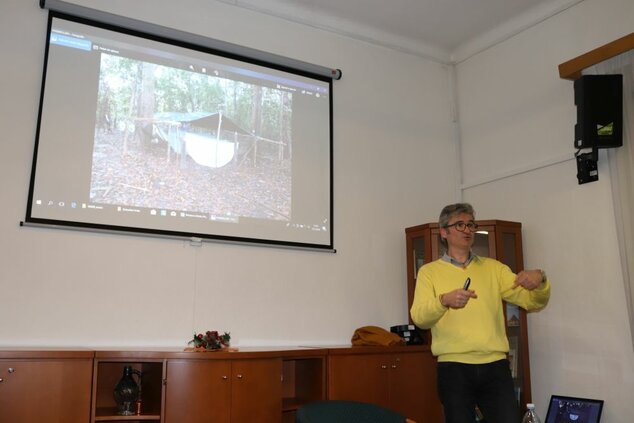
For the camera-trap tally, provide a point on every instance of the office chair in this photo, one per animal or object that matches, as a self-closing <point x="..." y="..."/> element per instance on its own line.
<point x="336" y="411"/>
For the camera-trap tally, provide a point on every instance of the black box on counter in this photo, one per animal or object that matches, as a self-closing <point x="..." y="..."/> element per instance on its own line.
<point x="410" y="333"/>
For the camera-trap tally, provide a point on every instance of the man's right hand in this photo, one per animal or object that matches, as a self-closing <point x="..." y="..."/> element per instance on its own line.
<point x="458" y="298"/>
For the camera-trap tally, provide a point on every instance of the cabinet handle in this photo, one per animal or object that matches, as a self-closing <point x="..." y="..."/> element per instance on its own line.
<point x="394" y="366"/>
<point x="11" y="370"/>
<point x="383" y="366"/>
<point x="239" y="376"/>
<point x="224" y="377"/>
<point x="1" y="380"/>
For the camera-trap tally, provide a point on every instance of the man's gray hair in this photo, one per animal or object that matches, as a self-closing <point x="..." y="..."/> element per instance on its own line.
<point x="452" y="210"/>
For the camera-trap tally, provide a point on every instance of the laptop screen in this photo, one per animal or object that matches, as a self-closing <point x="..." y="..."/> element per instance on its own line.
<point x="573" y="410"/>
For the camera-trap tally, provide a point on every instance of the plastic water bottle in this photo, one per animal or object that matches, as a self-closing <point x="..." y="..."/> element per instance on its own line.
<point x="530" y="416"/>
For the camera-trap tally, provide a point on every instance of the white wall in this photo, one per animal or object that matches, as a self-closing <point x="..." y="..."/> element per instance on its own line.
<point x="391" y="141"/>
<point x="516" y="115"/>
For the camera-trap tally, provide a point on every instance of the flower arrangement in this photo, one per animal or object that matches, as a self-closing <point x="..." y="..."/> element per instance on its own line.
<point x="211" y="340"/>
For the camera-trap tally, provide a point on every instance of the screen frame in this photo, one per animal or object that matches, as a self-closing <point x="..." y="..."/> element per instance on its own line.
<point x="197" y="237"/>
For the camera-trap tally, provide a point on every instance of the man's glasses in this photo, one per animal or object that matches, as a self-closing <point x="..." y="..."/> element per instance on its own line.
<point x="462" y="226"/>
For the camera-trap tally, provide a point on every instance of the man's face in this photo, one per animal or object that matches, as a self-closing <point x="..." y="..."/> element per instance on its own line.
<point x="455" y="238"/>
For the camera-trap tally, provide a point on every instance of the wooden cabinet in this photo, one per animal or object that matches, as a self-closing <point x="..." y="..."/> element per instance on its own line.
<point x="45" y="386"/>
<point x="205" y="391"/>
<point x="402" y="379"/>
<point x="498" y="239"/>
<point x="263" y="385"/>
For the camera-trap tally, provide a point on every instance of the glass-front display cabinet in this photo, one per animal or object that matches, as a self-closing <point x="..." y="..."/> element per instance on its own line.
<point x="498" y="239"/>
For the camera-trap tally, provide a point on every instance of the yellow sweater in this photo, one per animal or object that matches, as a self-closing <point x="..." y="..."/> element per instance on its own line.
<point x="476" y="333"/>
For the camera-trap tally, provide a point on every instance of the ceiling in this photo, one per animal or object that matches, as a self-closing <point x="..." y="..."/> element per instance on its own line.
<point x="447" y="31"/>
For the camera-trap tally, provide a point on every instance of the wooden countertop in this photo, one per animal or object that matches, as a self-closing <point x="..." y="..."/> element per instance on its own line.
<point x="138" y="353"/>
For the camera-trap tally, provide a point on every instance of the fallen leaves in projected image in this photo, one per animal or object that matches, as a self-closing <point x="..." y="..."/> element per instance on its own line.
<point x="145" y="172"/>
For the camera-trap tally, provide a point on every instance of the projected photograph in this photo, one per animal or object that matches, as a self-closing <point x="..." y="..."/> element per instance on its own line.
<point x="191" y="140"/>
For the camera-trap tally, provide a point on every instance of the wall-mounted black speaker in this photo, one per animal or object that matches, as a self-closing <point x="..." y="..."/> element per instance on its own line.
<point x="599" y="101"/>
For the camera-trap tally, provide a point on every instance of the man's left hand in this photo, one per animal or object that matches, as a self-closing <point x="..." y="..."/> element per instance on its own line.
<point x="529" y="279"/>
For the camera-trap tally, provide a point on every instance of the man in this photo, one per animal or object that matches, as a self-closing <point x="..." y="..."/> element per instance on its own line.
<point x="467" y="321"/>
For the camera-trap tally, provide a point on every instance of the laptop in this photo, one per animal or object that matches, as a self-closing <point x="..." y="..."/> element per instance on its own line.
<point x="573" y="410"/>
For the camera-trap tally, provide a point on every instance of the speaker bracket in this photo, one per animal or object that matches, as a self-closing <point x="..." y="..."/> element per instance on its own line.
<point x="587" y="168"/>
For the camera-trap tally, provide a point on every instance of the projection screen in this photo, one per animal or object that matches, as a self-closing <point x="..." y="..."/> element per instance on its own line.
<point x="144" y="134"/>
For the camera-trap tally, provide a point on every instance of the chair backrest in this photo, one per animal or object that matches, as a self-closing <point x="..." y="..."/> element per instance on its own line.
<point x="336" y="411"/>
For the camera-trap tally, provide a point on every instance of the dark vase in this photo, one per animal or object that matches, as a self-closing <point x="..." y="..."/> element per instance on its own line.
<point x="127" y="391"/>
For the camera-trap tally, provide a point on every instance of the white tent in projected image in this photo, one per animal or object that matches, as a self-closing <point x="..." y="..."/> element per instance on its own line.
<point x="210" y="139"/>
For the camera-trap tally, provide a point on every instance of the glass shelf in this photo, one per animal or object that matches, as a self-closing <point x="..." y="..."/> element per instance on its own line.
<point x="108" y="414"/>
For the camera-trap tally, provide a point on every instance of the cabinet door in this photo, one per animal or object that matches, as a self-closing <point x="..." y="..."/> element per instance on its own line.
<point x="198" y="391"/>
<point x="256" y="391"/>
<point x="359" y="377"/>
<point x="55" y="391"/>
<point x="412" y="387"/>
<point x="419" y="251"/>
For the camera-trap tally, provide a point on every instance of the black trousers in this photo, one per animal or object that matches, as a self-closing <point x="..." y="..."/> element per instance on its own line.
<point x="489" y="386"/>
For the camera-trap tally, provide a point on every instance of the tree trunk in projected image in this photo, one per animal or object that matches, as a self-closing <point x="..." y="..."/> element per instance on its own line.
<point x="146" y="102"/>
<point x="256" y="119"/>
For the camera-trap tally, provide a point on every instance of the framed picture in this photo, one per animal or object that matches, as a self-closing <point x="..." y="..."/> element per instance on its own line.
<point x="512" y="315"/>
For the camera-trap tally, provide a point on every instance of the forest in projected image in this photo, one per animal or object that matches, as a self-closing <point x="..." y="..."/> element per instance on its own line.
<point x="190" y="140"/>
